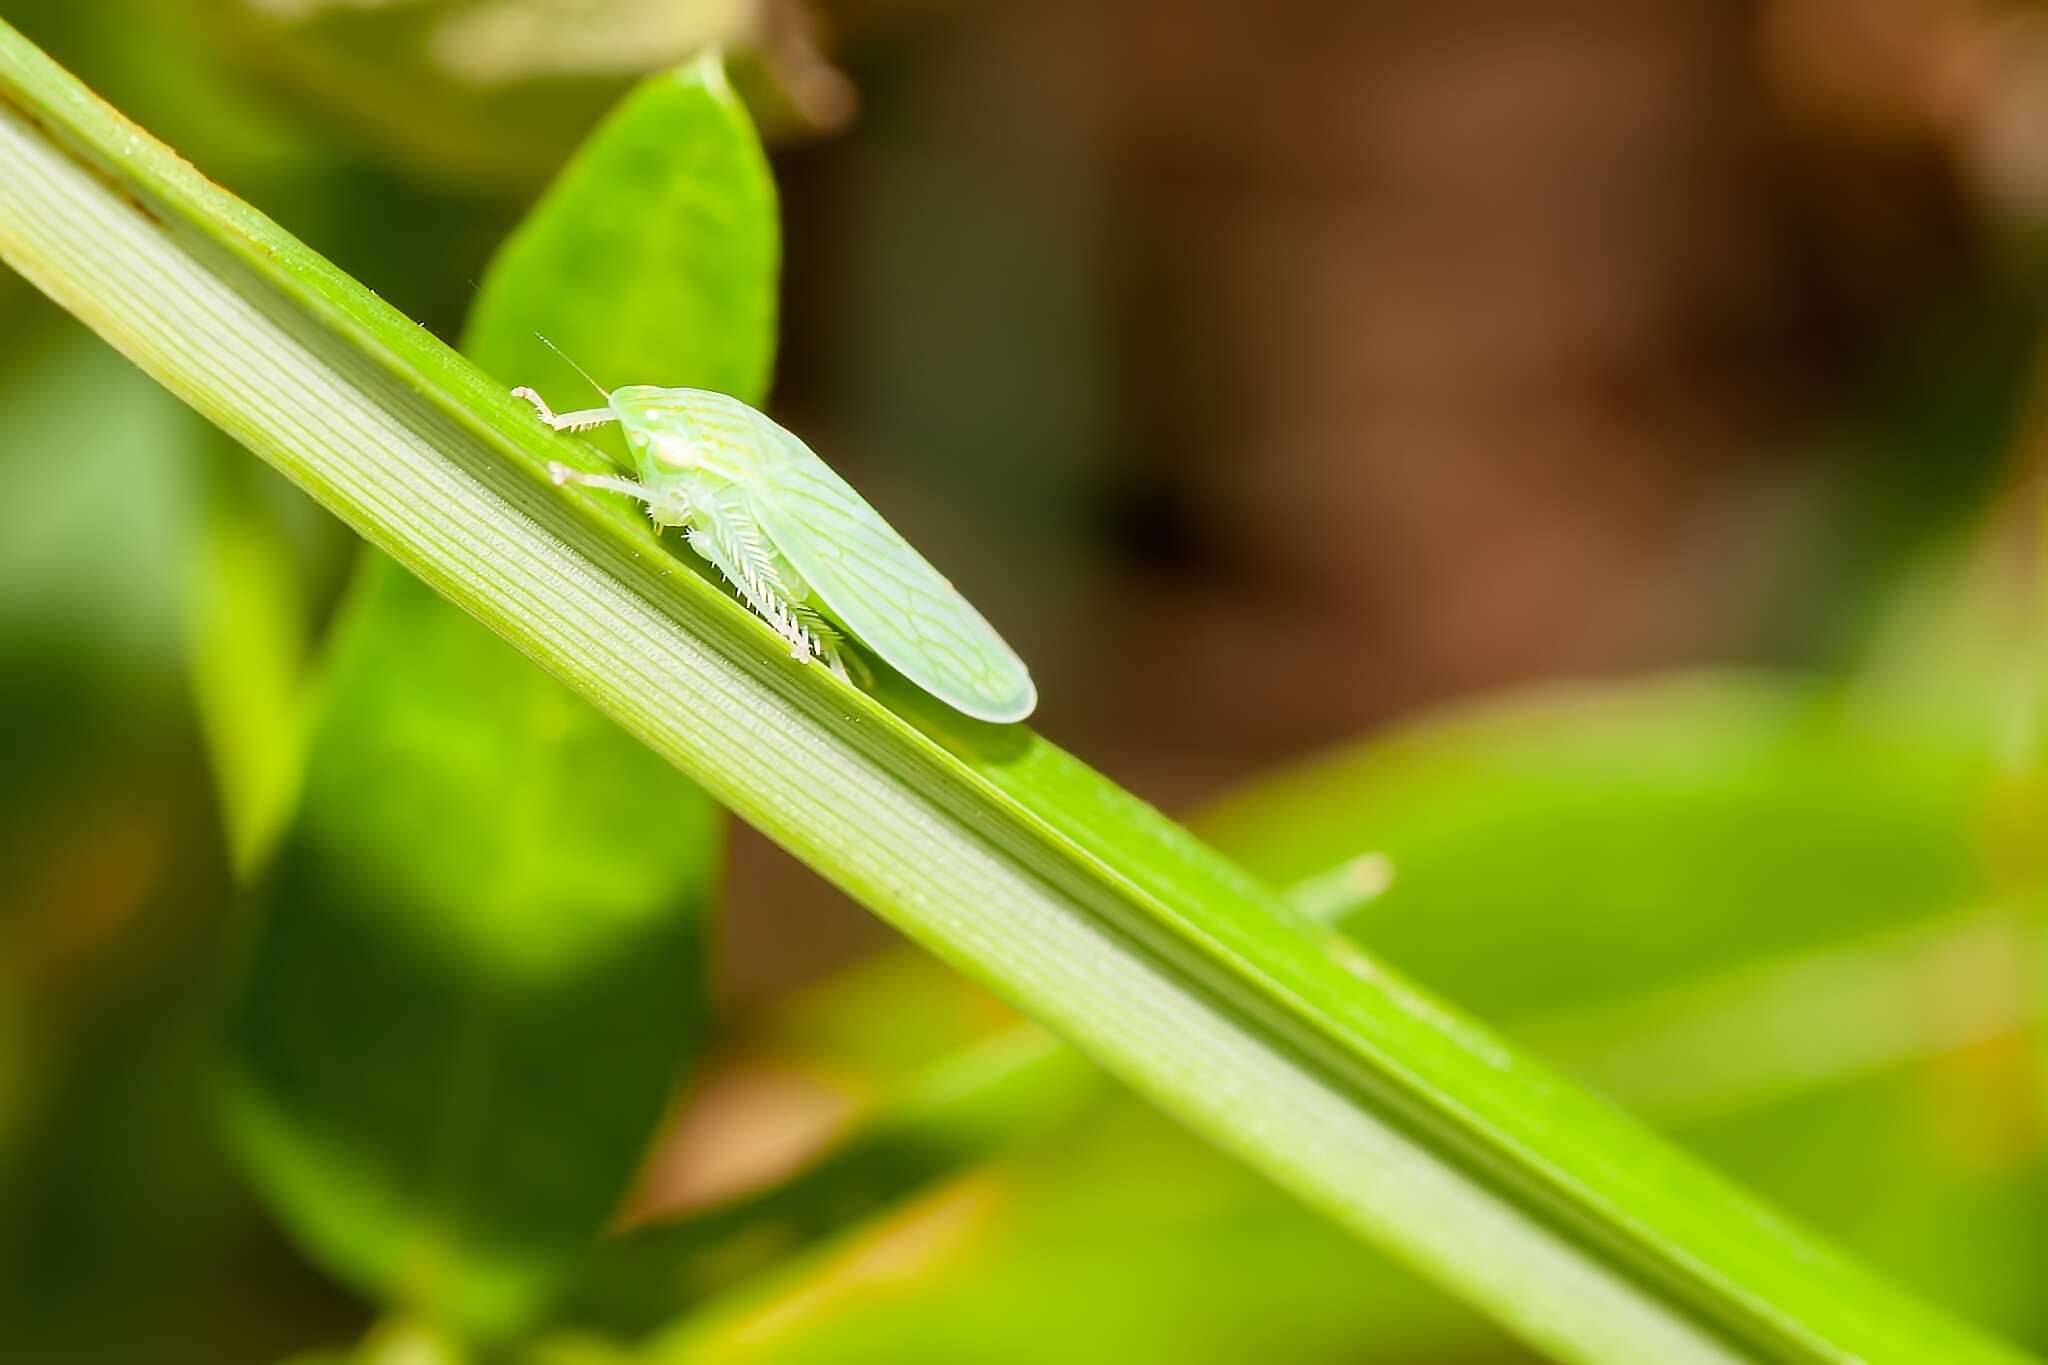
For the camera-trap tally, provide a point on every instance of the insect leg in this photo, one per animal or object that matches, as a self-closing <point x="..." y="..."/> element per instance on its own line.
<point x="568" y="421"/>
<point x="757" y="591"/>
<point x="611" y="483"/>
<point x="846" y="664"/>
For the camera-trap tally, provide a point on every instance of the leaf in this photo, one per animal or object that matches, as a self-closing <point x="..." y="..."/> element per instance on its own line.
<point x="943" y="1119"/>
<point x="248" y="619"/>
<point x="1172" y="967"/>
<point x="1116" y="1240"/>
<point x="651" y="260"/>
<point x="494" y="93"/>
<point x="478" y="975"/>
<point x="483" y="963"/>
<point x="1678" y="827"/>
<point x="86" y="451"/>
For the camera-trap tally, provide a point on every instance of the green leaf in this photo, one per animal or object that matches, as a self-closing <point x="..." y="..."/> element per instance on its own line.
<point x="478" y="975"/>
<point x="483" y="959"/>
<point x="939" y="1121"/>
<point x="85" y="451"/>
<point x="248" y="621"/>
<point x="1672" y="827"/>
<point x="486" y="93"/>
<point x="1115" y="1240"/>
<point x="651" y="260"/>
<point x="1176" y="970"/>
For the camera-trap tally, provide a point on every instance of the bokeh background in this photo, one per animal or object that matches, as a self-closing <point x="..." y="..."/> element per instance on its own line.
<point x="1593" y="449"/>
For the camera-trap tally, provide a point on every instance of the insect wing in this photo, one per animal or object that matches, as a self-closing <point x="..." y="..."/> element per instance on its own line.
<point x="883" y="590"/>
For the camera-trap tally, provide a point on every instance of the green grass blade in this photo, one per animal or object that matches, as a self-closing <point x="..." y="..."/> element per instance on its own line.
<point x="1176" y="971"/>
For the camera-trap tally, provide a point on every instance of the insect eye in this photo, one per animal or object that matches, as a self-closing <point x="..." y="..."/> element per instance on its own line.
<point x="676" y="452"/>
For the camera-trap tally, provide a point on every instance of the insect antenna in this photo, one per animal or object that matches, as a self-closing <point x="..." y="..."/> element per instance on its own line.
<point x="601" y="389"/>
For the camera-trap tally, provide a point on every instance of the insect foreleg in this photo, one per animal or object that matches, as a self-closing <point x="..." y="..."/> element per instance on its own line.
<point x="568" y="421"/>
<point x="611" y="483"/>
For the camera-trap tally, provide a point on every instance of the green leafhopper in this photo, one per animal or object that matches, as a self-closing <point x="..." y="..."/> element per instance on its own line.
<point x="800" y="547"/>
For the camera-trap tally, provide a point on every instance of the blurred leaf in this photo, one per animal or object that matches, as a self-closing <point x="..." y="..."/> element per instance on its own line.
<point x="1732" y="1041"/>
<point x="101" y="499"/>
<point x="1120" y="1240"/>
<point x="391" y="1341"/>
<point x="479" y="973"/>
<point x="1123" y="1239"/>
<point x="402" y="1342"/>
<point x="158" y="63"/>
<point x="483" y="860"/>
<point x="110" y="879"/>
<point x="1174" y="968"/>
<point x="249" y="622"/>
<point x="1596" y="842"/>
<point x="494" y="93"/>
<point x="945" y="1117"/>
<point x="1934" y="1170"/>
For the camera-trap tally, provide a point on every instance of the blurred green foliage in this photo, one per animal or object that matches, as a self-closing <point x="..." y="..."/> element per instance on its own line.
<point x="1665" y="828"/>
<point x="120" y="1213"/>
<point x="481" y="873"/>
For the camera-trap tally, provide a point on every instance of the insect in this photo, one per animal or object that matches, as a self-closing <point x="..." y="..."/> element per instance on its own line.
<point x="796" y="542"/>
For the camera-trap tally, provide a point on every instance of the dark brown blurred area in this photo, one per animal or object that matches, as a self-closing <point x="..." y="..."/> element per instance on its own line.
<point x="1452" y="345"/>
<point x="1460" y="341"/>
